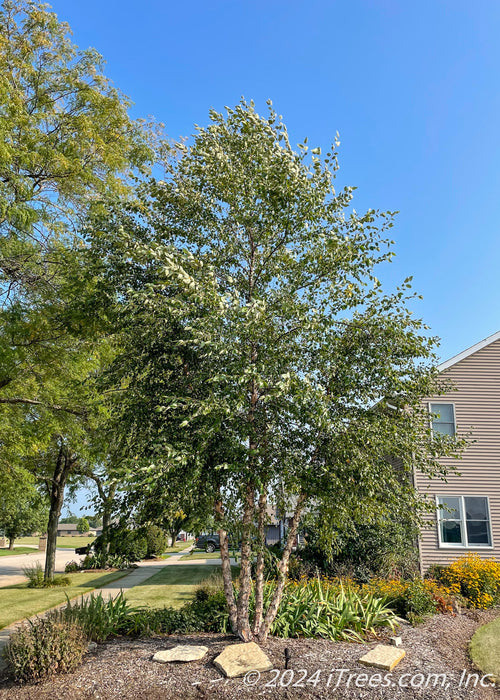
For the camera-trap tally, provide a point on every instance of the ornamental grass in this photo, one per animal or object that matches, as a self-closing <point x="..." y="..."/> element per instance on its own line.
<point x="330" y="609"/>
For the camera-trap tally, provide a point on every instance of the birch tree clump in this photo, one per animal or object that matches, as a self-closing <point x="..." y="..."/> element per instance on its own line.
<point x="259" y="347"/>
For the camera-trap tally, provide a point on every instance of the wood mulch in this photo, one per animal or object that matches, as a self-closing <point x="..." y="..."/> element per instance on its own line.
<point x="122" y="668"/>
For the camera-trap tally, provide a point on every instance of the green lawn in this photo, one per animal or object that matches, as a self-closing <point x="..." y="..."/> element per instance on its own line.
<point x="173" y="585"/>
<point x="66" y="542"/>
<point x="200" y="554"/>
<point x="178" y="547"/>
<point x="16" y="550"/>
<point x="19" y="601"/>
<point x="485" y="649"/>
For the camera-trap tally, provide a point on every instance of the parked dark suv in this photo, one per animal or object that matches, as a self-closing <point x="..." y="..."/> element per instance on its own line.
<point x="84" y="550"/>
<point x="207" y="542"/>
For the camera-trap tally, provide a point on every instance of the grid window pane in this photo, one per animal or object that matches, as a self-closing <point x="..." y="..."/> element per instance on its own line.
<point x="476" y="508"/>
<point x="444" y="420"/>
<point x="444" y="412"/>
<point x="452" y="505"/>
<point x="478" y="532"/>
<point x="465" y="522"/>
<point x="451" y="532"/>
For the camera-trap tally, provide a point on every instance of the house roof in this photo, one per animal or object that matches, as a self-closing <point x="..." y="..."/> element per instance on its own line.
<point x="470" y="351"/>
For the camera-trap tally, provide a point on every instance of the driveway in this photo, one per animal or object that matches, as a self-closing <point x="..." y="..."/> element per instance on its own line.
<point x="11" y="568"/>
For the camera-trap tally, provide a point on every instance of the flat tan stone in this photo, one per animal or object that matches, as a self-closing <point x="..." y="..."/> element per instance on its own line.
<point x="182" y="652"/>
<point x="237" y="659"/>
<point x="383" y="656"/>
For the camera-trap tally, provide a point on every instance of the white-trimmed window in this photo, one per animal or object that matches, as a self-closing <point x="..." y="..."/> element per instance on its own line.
<point x="464" y="521"/>
<point x="443" y="418"/>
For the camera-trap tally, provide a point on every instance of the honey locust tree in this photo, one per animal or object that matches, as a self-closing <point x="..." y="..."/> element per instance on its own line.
<point x="66" y="141"/>
<point x="259" y="346"/>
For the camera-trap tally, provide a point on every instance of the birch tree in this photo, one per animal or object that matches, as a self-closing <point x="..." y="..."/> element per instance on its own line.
<point x="259" y="348"/>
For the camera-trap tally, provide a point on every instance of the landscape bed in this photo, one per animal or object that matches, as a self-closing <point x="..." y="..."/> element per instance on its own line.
<point x="123" y="669"/>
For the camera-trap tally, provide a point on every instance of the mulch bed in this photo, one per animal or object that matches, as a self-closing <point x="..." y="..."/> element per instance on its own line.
<point x="122" y="668"/>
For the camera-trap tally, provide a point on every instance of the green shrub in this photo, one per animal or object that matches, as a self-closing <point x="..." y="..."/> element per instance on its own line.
<point x="103" y="560"/>
<point x="412" y="599"/>
<point x="44" y="647"/>
<point x="165" y="621"/>
<point x="99" y="560"/>
<point x="56" y="581"/>
<point x="385" y="549"/>
<point x="419" y="601"/>
<point x="72" y="567"/>
<point x="129" y="544"/>
<point x="156" y="540"/>
<point x="297" y="567"/>
<point x="210" y="611"/>
<point x="435" y="571"/>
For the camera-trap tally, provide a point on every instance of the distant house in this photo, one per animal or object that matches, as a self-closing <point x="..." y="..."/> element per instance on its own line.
<point x="277" y="527"/>
<point x="67" y="529"/>
<point x="471" y="520"/>
<point x="71" y="530"/>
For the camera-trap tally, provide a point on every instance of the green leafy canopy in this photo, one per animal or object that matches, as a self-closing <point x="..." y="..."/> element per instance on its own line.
<point x="258" y="348"/>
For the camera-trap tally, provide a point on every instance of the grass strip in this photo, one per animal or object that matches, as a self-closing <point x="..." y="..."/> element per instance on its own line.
<point x="485" y="649"/>
<point x="173" y="585"/>
<point x="18" y="601"/>
<point x="16" y="550"/>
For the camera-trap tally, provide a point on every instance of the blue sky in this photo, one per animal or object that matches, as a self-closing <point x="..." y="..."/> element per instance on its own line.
<point x="412" y="88"/>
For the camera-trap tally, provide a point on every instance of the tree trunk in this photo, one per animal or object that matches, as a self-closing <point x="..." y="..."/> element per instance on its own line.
<point x="11" y="542"/>
<point x="107" y="500"/>
<point x="173" y="536"/>
<point x="245" y="579"/>
<point x="226" y="569"/>
<point x="62" y="470"/>
<point x="260" y="565"/>
<point x="261" y="635"/>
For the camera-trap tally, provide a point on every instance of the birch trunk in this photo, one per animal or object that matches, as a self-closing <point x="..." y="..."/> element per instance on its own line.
<point x="260" y="565"/>
<point x="245" y="579"/>
<point x="226" y="570"/>
<point x="263" y="632"/>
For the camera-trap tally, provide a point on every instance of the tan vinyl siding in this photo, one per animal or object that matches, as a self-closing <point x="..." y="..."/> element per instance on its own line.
<point x="477" y="410"/>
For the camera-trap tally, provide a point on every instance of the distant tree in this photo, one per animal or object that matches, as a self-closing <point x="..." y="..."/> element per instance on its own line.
<point x="95" y="521"/>
<point x="83" y="525"/>
<point x="70" y="520"/>
<point x="22" y="510"/>
<point x="66" y="135"/>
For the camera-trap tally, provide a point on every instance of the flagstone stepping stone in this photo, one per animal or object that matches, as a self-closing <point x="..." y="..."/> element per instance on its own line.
<point x="383" y="656"/>
<point x="182" y="652"/>
<point x="237" y="659"/>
